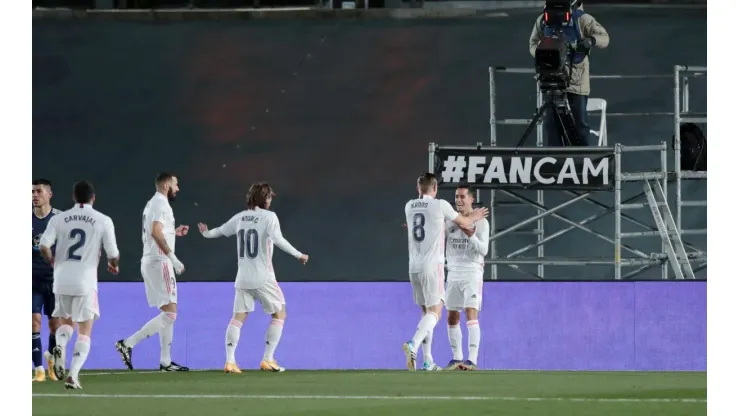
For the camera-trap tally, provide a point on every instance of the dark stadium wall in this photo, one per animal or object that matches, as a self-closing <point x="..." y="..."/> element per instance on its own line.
<point x="337" y="115"/>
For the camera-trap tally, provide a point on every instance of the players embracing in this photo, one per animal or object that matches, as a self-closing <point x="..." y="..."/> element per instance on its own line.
<point x="426" y="219"/>
<point x="257" y="229"/>
<point x="466" y="249"/>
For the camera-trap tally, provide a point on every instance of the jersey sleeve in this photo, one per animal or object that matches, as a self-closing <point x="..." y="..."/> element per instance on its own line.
<point x="50" y="234"/>
<point x="273" y="230"/>
<point x="109" y="239"/>
<point x="448" y="212"/>
<point x="228" y="228"/>
<point x="479" y="240"/>
<point x="161" y="214"/>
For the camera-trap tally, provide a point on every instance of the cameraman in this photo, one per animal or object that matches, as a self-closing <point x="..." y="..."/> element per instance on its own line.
<point x="584" y="32"/>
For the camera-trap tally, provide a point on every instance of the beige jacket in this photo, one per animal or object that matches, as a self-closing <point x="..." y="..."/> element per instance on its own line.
<point x="589" y="27"/>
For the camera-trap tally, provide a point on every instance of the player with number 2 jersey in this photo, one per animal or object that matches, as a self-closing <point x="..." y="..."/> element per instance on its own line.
<point x="257" y="229"/>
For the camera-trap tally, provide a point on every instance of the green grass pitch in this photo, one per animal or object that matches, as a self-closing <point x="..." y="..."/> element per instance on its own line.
<point x="376" y="393"/>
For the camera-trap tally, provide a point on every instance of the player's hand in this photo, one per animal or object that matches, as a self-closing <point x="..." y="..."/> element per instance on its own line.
<point x="468" y="231"/>
<point x="182" y="230"/>
<point x="202" y="227"/>
<point x="480" y="213"/>
<point x="112" y="269"/>
<point x="404" y="225"/>
<point x="178" y="266"/>
<point x="303" y="259"/>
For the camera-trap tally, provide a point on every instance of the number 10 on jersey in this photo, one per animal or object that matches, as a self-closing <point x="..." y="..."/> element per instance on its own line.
<point x="248" y="241"/>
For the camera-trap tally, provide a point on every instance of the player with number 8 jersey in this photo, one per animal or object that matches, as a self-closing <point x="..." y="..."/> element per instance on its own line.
<point x="425" y="222"/>
<point x="257" y="229"/>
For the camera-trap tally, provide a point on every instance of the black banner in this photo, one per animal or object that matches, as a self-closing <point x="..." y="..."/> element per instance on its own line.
<point x="525" y="168"/>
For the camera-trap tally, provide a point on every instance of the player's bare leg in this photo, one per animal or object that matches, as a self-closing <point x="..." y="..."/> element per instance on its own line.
<point x="81" y="350"/>
<point x="36" y="348"/>
<point x="426" y="325"/>
<point x="426" y="346"/>
<point x="59" y="353"/>
<point x="272" y="339"/>
<point x="454" y="334"/>
<point x="471" y="316"/>
<point x="49" y="353"/>
<point x="233" y="331"/>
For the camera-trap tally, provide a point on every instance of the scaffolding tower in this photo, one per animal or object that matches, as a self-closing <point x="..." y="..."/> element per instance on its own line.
<point x="683" y="259"/>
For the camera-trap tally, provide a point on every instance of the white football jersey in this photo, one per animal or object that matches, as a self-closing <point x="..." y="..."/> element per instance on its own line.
<point x="425" y="222"/>
<point x="256" y="231"/>
<point x="466" y="253"/>
<point x="79" y="234"/>
<point x="157" y="209"/>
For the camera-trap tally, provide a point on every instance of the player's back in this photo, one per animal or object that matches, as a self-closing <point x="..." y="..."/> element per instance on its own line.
<point x="80" y="234"/>
<point x="425" y="222"/>
<point x="254" y="246"/>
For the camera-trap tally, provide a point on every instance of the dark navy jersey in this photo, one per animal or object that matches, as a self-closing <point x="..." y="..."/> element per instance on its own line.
<point x="41" y="269"/>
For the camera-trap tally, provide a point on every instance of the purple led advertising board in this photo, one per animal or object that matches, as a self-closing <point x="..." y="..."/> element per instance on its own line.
<point x="650" y="326"/>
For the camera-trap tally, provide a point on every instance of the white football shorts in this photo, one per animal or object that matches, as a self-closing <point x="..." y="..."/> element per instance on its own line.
<point x="79" y="308"/>
<point x="429" y="286"/>
<point x="160" y="283"/>
<point x="268" y="295"/>
<point x="464" y="290"/>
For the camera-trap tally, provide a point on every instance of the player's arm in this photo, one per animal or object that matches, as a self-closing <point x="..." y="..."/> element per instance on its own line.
<point x="479" y="240"/>
<point x="281" y="242"/>
<point x="226" y="230"/>
<point x="47" y="241"/>
<point x="462" y="221"/>
<point x="111" y="246"/>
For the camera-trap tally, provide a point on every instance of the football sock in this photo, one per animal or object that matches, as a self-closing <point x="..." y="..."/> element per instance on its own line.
<point x="165" y="337"/>
<point x="473" y="341"/>
<point x="82" y="348"/>
<point x="272" y="338"/>
<point x="232" y="339"/>
<point x="454" y="333"/>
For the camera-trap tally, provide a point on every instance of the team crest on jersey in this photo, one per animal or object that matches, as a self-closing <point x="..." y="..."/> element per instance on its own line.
<point x="453" y="229"/>
<point x="36" y="241"/>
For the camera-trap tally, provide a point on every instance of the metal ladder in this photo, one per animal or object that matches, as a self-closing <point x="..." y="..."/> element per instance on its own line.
<point x="668" y="231"/>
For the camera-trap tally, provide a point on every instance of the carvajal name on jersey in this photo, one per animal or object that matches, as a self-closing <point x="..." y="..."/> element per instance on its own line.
<point x="82" y="218"/>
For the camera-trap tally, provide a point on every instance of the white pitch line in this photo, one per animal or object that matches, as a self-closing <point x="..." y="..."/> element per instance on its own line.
<point x="115" y="373"/>
<point x="320" y="397"/>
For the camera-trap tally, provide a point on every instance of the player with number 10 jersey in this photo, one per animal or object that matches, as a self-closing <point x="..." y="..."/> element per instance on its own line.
<point x="257" y="229"/>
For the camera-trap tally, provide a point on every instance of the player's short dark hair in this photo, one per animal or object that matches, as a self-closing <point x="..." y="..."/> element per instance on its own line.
<point x="163" y="177"/>
<point x="468" y="188"/>
<point x="83" y="192"/>
<point x="42" y="181"/>
<point x="426" y="182"/>
<point x="258" y="194"/>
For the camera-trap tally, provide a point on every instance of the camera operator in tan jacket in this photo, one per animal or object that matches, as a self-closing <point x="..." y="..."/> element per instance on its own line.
<point x="586" y="32"/>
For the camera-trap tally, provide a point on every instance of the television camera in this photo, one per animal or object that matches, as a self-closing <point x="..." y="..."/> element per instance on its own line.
<point x="553" y="66"/>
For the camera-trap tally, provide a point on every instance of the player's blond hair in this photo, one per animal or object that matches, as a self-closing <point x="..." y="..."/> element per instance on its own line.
<point x="258" y="194"/>
<point x="426" y="182"/>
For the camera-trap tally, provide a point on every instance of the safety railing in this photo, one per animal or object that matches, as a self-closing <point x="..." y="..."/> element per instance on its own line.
<point x="681" y="114"/>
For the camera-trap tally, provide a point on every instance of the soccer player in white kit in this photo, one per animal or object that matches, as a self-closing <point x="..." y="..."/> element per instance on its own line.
<point x="257" y="229"/>
<point x="158" y="267"/>
<point x="466" y="249"/>
<point x="425" y="219"/>
<point x="79" y="234"/>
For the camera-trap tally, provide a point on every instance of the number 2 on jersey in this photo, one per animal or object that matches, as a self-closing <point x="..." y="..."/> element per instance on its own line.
<point x="79" y="236"/>
<point x="248" y="242"/>
<point x="418" y="228"/>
